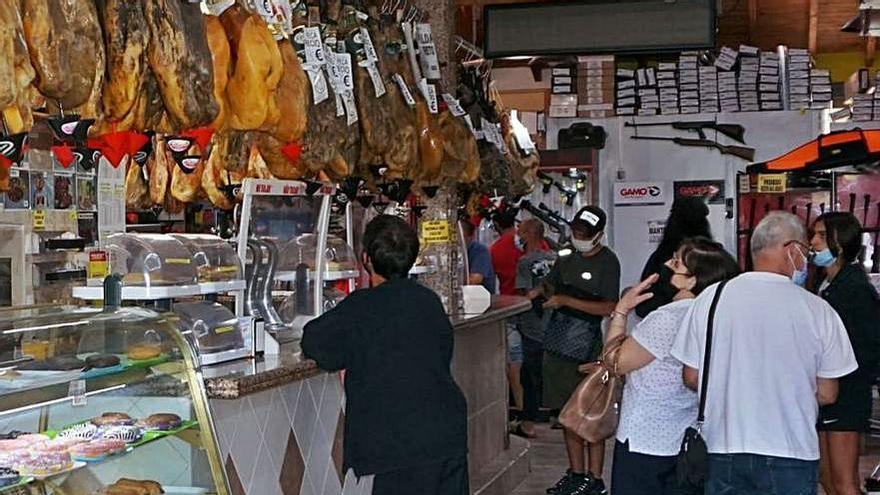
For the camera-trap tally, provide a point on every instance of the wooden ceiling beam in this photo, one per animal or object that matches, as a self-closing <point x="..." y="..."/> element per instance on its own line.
<point x="753" y="20"/>
<point x="813" y="32"/>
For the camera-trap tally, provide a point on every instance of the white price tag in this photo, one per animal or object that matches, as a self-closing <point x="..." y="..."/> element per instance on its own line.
<point x="77" y="392"/>
<point x="216" y="7"/>
<point x="351" y="111"/>
<point x="346" y="74"/>
<point x="264" y="8"/>
<point x="427" y="51"/>
<point x="453" y="104"/>
<point x="335" y="80"/>
<point x="376" y="79"/>
<point x="320" y="92"/>
<point x="285" y="16"/>
<point x="404" y="90"/>
<point x="314" y="47"/>
<point x="369" y="49"/>
<point x="429" y="91"/>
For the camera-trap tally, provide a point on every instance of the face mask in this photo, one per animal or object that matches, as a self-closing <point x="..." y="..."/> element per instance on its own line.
<point x="586" y="246"/>
<point x="799" y="277"/>
<point x="824" y="258"/>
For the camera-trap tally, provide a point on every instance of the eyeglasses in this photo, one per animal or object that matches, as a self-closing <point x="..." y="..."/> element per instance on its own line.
<point x="805" y="249"/>
<point x="677" y="266"/>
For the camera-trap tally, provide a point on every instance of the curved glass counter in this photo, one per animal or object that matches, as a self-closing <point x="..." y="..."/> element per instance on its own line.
<point x="90" y="398"/>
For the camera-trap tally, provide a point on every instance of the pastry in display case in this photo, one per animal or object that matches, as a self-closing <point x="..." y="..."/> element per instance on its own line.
<point x="114" y="406"/>
<point x="215" y="259"/>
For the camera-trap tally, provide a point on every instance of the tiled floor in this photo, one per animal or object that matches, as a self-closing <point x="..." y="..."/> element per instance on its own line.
<point x="549" y="461"/>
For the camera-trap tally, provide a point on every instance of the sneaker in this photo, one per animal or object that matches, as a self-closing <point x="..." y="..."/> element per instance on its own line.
<point x="569" y="482"/>
<point x="590" y="486"/>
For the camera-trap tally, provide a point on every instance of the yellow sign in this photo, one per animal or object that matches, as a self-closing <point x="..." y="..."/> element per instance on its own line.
<point x="771" y="183"/>
<point x="98" y="267"/>
<point x="39" y="219"/>
<point x="177" y="261"/>
<point x="435" y="231"/>
<point x="73" y="216"/>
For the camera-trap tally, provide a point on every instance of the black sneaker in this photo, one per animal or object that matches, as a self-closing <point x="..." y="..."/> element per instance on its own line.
<point x="590" y="486"/>
<point x="569" y="482"/>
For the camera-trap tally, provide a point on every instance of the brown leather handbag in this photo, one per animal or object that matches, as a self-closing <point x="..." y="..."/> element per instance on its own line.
<point x="593" y="410"/>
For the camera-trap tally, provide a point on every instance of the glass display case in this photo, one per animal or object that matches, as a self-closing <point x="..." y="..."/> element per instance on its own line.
<point x="215" y="259"/>
<point x="94" y="401"/>
<point x="150" y="260"/>
<point x="159" y="266"/>
<point x="214" y="331"/>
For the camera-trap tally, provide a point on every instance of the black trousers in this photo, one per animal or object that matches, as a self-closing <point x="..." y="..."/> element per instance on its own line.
<point x="448" y="477"/>
<point x="641" y="474"/>
<point x="532" y="378"/>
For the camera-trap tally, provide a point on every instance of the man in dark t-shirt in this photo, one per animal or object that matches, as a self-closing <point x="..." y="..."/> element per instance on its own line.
<point x="581" y="290"/>
<point x="405" y="417"/>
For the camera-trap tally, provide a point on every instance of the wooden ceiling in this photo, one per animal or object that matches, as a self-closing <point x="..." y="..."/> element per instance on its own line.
<point x="813" y="24"/>
<point x="768" y="23"/>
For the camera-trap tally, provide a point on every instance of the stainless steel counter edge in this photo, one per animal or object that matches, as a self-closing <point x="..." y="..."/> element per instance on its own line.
<point x="249" y="376"/>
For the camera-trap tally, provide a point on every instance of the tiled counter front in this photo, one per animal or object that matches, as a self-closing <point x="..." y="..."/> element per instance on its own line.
<point x="286" y="440"/>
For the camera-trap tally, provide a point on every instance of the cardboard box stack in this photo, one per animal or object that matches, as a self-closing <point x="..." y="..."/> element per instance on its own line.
<point x="709" y="89"/>
<point x="625" y="94"/>
<point x="595" y="86"/>
<point x="863" y="107"/>
<point x="768" y="82"/>
<point x="646" y="89"/>
<point x="820" y="89"/>
<point x="689" y="83"/>
<point x="667" y="83"/>
<point x="747" y="78"/>
<point x="563" y="100"/>
<point x="727" y="92"/>
<point x="798" y="65"/>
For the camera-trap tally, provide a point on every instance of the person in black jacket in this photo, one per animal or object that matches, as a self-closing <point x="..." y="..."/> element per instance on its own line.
<point x="836" y="244"/>
<point x="688" y="218"/>
<point x="405" y="417"/>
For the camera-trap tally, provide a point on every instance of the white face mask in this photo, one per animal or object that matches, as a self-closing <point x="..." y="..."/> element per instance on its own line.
<point x="587" y="246"/>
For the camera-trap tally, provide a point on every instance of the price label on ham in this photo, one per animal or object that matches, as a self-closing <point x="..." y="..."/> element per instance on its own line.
<point x="453" y="104"/>
<point x="314" y="47"/>
<point x="427" y="51"/>
<point x="429" y="91"/>
<point x="77" y="392"/>
<point x="369" y="49"/>
<point x="320" y="91"/>
<point x="343" y="64"/>
<point x="404" y="90"/>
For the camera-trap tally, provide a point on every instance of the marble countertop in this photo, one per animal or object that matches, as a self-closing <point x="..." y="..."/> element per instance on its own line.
<point x="248" y="376"/>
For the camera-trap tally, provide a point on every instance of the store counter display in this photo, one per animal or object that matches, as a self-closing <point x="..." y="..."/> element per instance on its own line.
<point x="93" y="402"/>
<point x="279" y="419"/>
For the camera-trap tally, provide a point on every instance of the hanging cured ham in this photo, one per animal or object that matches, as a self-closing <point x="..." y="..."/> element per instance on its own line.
<point x="291" y="97"/>
<point x="221" y="59"/>
<point x="461" y="159"/>
<point x="16" y="71"/>
<point x="257" y="70"/>
<point x="137" y="189"/>
<point x="179" y="57"/>
<point x="403" y="155"/>
<point x="126" y="36"/>
<point x="66" y="48"/>
<point x="329" y="144"/>
<point x="159" y="169"/>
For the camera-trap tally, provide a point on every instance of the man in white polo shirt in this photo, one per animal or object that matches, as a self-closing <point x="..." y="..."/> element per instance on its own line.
<point x="777" y="351"/>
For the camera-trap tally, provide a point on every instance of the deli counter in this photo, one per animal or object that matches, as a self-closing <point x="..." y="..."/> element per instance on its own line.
<point x="93" y="401"/>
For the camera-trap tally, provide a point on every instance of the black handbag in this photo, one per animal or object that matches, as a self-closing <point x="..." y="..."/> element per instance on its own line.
<point x="692" y="464"/>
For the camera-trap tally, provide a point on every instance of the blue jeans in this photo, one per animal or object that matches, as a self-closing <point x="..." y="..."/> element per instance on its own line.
<point x="749" y="474"/>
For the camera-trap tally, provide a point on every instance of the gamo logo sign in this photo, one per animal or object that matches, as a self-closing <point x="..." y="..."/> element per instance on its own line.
<point x="640" y="192"/>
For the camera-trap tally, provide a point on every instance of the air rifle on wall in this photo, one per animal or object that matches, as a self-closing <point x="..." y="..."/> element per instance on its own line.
<point x="743" y="152"/>
<point x="733" y="131"/>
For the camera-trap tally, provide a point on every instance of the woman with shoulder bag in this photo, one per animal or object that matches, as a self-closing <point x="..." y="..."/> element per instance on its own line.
<point x="657" y="408"/>
<point x="836" y="244"/>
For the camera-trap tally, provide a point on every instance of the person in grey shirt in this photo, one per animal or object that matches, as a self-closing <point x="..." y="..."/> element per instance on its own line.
<point x="531" y="269"/>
